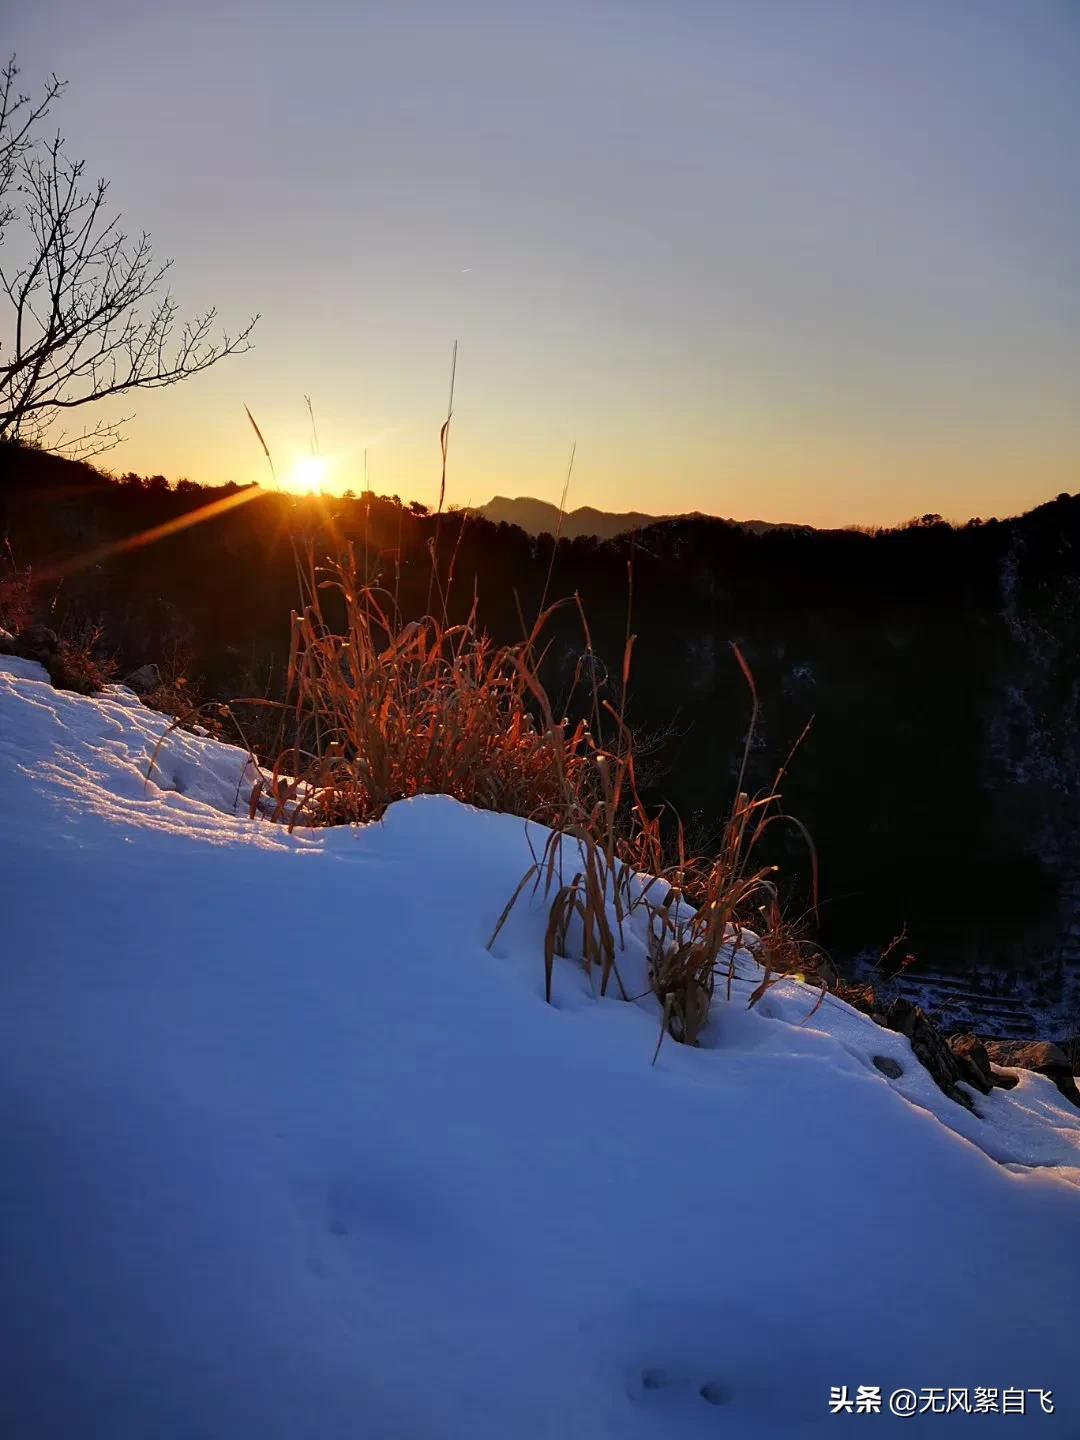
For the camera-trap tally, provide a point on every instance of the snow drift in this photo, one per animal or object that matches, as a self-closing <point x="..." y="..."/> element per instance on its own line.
<point x="287" y="1153"/>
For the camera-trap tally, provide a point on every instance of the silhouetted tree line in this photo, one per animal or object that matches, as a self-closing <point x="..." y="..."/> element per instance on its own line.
<point x="940" y="665"/>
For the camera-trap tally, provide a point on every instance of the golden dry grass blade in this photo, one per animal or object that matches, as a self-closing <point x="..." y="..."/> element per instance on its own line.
<point x="262" y="442"/>
<point x="510" y="904"/>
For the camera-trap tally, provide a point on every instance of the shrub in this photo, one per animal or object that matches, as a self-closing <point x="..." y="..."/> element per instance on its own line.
<point x="81" y="662"/>
<point x="175" y="692"/>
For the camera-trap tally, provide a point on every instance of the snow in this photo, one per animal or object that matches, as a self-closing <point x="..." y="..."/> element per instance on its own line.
<point x="286" y="1152"/>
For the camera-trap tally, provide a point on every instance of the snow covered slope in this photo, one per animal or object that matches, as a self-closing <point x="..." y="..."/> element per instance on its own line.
<point x="286" y="1154"/>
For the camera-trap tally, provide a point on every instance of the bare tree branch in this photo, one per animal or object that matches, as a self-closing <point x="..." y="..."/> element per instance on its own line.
<point x="89" y="316"/>
<point x="18" y="116"/>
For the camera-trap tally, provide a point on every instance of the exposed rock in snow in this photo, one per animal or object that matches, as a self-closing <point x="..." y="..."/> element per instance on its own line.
<point x="932" y="1051"/>
<point x="36" y="642"/>
<point x="144" y="679"/>
<point x="973" y="1056"/>
<point x="888" y="1066"/>
<point x="1043" y="1058"/>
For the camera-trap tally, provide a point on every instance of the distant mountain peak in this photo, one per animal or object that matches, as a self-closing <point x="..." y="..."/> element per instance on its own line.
<point x="538" y="517"/>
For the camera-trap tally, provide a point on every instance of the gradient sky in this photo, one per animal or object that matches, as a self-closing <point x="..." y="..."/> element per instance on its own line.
<point x="812" y="260"/>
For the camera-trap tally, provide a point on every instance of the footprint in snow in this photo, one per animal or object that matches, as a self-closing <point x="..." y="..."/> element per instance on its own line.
<point x="715" y="1393"/>
<point x="701" y="1370"/>
<point x="650" y="1384"/>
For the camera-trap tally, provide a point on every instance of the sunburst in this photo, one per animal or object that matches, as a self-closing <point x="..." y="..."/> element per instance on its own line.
<point x="308" y="475"/>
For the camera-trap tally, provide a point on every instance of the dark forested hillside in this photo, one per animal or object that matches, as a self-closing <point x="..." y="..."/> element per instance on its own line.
<point x="941" y="775"/>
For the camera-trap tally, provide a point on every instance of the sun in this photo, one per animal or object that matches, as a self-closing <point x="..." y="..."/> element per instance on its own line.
<point x="308" y="474"/>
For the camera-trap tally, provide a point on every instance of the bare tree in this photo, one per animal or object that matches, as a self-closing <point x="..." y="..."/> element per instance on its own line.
<point x="90" y="317"/>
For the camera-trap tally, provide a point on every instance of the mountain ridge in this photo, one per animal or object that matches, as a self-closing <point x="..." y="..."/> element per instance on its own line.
<point x="538" y="517"/>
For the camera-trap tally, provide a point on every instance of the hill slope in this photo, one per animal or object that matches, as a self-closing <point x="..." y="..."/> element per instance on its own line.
<point x="941" y="666"/>
<point x="288" y="1154"/>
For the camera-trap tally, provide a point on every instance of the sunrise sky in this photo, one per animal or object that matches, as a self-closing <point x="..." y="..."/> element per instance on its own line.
<point x="810" y="260"/>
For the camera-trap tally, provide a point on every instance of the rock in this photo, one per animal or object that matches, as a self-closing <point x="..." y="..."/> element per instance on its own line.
<point x="1040" y="1056"/>
<point x="6" y="641"/>
<point x="144" y="679"/>
<point x="975" y="1059"/>
<point x="892" y="1068"/>
<point x="37" y="642"/>
<point x="971" y="1054"/>
<point x="932" y="1051"/>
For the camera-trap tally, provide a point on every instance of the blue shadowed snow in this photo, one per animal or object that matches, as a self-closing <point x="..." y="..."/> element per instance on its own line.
<point x="287" y="1154"/>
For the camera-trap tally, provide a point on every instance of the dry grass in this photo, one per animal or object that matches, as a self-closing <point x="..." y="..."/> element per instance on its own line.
<point x="599" y="870"/>
<point x="81" y="662"/>
<point x="77" y="658"/>
<point x="180" y="693"/>
<point x="609" y="859"/>
<point x="16" y="592"/>
<point x="176" y="693"/>
<point x="727" y="891"/>
<point x="381" y="711"/>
